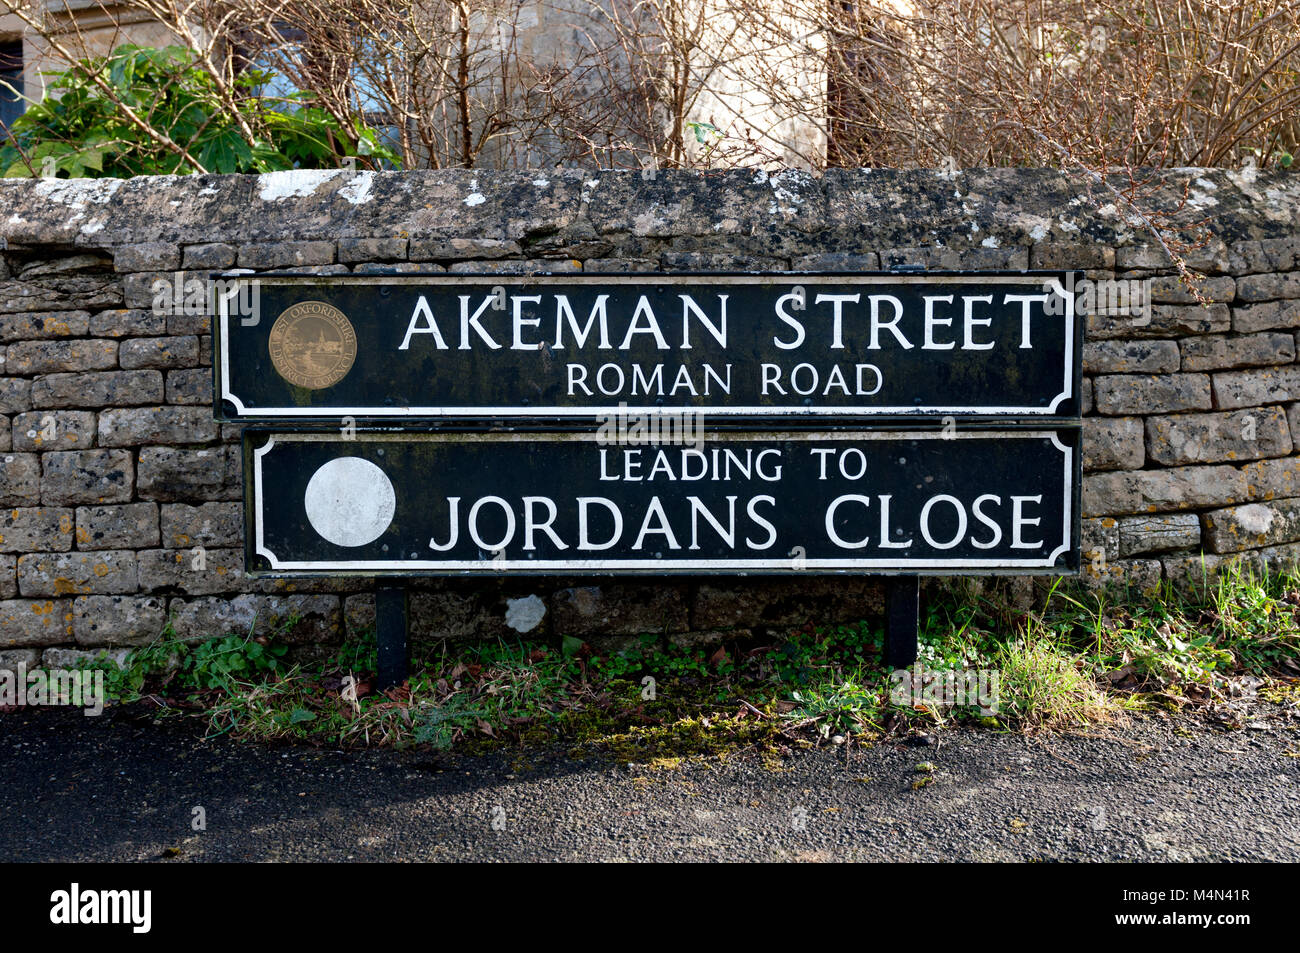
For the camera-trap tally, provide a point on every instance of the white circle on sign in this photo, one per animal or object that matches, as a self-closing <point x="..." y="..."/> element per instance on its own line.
<point x="350" y="501"/>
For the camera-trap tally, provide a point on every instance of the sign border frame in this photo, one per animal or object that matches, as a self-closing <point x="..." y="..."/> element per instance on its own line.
<point x="783" y="567"/>
<point x="577" y="416"/>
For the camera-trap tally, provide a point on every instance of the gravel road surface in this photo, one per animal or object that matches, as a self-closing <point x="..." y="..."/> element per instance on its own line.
<point x="123" y="788"/>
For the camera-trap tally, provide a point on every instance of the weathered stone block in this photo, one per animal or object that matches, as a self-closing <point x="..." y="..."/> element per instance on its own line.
<point x="285" y="254"/>
<point x="99" y="389"/>
<point x="74" y="293"/>
<point x="1221" y="352"/>
<point x="1155" y="534"/>
<point x="43" y="325"/>
<point x="129" y="526"/>
<point x="1099" y="539"/>
<point x="86" y="476"/>
<point x="533" y="267"/>
<point x="28" y="529"/>
<point x="163" y="352"/>
<point x="75" y="658"/>
<point x="1164" y="320"/>
<point x="190" y="387"/>
<point x="210" y="524"/>
<point x="1211" y="438"/>
<point x="320" y="618"/>
<point x="1155" y="491"/>
<point x="48" y="357"/>
<point x="619" y="265"/>
<point x="459" y="248"/>
<point x="1142" y="256"/>
<point x="189" y="322"/>
<point x="1150" y="394"/>
<point x="127" y="322"/>
<point x="54" y="430"/>
<point x="1265" y="315"/>
<point x="159" y="291"/>
<point x="68" y="574"/>
<point x="210" y="255"/>
<point x="619" y="610"/>
<point x="20" y="479"/>
<point x="8" y="576"/>
<point x="1085" y="396"/>
<point x="398" y="268"/>
<point x="198" y="571"/>
<point x="12" y="659"/>
<point x="371" y="249"/>
<point x="1235" y="528"/>
<point x="1199" y="572"/>
<point x="1130" y="357"/>
<point x="170" y="474"/>
<point x="118" y="620"/>
<point x="1170" y="289"/>
<point x="1132" y="575"/>
<point x="1269" y="287"/>
<point x="133" y="426"/>
<point x="1284" y="558"/>
<point x="957" y="259"/>
<point x="1271" y="479"/>
<point x="1112" y="443"/>
<point x="1056" y="256"/>
<point x="15" y="395"/>
<point x="1269" y="254"/>
<point x="831" y="261"/>
<point x="6" y="435"/>
<point x="27" y="622"/>
<point x="359" y="614"/>
<point x="147" y="256"/>
<point x="1273" y="385"/>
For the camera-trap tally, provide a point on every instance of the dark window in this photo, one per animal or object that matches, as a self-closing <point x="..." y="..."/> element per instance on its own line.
<point x="11" y="84"/>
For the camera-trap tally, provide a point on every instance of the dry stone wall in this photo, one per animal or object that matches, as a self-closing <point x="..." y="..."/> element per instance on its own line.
<point x="120" y="494"/>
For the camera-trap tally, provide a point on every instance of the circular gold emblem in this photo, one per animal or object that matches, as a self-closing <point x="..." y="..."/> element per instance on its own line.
<point x="313" y="345"/>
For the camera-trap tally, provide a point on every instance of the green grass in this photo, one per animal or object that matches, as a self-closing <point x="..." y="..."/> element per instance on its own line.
<point x="1075" y="661"/>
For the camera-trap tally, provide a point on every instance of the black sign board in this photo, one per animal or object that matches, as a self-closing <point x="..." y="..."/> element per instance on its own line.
<point x="569" y="347"/>
<point x="919" y="502"/>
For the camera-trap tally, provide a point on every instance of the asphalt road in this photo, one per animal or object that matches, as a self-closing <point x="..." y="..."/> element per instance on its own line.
<point x="119" y="788"/>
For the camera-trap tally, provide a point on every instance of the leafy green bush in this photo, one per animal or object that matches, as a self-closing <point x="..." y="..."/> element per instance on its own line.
<point x="146" y="111"/>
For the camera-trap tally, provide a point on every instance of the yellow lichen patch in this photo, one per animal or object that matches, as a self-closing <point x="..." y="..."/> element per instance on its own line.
<point x="42" y="608"/>
<point x="101" y="570"/>
<point x="65" y="524"/>
<point x="83" y="535"/>
<point x="66" y="587"/>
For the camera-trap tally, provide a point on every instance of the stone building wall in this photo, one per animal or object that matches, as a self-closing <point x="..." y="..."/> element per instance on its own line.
<point x="120" y="495"/>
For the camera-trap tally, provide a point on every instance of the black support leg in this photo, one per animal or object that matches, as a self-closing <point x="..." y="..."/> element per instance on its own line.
<point x="902" y="620"/>
<point x="390" y="627"/>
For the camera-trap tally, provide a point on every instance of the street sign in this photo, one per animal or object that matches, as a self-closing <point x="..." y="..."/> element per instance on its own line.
<point x="919" y="502"/>
<point x="571" y="347"/>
